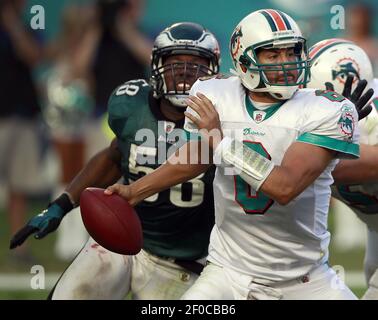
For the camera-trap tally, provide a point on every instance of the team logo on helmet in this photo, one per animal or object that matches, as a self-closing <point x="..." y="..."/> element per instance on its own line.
<point x="346" y="121"/>
<point x="344" y="67"/>
<point x="235" y="42"/>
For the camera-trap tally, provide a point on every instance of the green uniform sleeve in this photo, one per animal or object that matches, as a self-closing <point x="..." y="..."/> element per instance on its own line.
<point x="125" y="100"/>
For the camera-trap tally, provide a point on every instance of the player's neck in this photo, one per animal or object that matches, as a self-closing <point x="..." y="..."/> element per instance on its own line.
<point x="263" y="97"/>
<point x="171" y="112"/>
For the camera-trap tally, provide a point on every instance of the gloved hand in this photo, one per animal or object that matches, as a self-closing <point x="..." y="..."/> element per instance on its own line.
<point x="45" y="222"/>
<point x="359" y="101"/>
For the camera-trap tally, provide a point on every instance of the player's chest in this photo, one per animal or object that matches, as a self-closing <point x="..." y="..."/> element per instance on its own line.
<point x="270" y="140"/>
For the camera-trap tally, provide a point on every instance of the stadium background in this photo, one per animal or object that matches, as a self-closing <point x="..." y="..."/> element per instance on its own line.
<point x="220" y="17"/>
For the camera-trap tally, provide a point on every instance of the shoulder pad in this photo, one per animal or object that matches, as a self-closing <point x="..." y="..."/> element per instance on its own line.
<point x="124" y="100"/>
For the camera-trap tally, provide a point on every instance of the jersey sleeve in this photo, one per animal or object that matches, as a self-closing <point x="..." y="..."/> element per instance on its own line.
<point x="190" y="129"/>
<point x="331" y="122"/>
<point x="123" y="101"/>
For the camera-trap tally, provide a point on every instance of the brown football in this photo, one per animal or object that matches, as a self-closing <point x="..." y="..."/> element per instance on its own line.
<point x="111" y="221"/>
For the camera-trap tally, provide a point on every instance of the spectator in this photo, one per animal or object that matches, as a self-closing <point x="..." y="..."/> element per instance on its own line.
<point x="359" y="30"/>
<point x="68" y="104"/>
<point x="112" y="50"/>
<point x="19" y="144"/>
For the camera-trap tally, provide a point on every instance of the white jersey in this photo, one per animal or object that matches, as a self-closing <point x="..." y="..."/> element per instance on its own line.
<point x="253" y="234"/>
<point x="363" y="198"/>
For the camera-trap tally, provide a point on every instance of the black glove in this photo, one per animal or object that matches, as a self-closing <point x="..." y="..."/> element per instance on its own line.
<point x="45" y="222"/>
<point x="359" y="101"/>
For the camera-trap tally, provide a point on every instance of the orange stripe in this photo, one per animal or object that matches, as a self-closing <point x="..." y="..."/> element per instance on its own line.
<point x="277" y="19"/>
<point x="326" y="43"/>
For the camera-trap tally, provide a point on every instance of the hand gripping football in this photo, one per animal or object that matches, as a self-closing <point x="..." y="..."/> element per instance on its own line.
<point x="111" y="221"/>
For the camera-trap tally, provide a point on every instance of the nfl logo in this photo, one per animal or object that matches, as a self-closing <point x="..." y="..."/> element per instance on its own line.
<point x="258" y="116"/>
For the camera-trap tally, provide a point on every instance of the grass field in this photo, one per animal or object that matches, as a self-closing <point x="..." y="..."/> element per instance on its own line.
<point x="43" y="251"/>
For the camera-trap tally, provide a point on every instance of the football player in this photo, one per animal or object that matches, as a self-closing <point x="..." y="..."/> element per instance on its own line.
<point x="176" y="222"/>
<point x="333" y="60"/>
<point x="270" y="239"/>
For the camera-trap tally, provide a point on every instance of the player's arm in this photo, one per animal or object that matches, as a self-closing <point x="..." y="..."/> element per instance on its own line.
<point x="101" y="171"/>
<point x="183" y="165"/>
<point x="363" y="170"/>
<point x="302" y="163"/>
<point x="286" y="181"/>
<point x="281" y="183"/>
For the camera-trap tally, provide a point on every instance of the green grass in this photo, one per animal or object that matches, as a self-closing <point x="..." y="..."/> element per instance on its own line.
<point x="42" y="251"/>
<point x="24" y="295"/>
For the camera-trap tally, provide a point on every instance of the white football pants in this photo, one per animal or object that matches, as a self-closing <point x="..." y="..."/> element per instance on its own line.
<point x="220" y="283"/>
<point x="97" y="273"/>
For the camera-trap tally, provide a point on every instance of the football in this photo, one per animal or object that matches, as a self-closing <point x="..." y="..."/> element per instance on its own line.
<point x="111" y="221"/>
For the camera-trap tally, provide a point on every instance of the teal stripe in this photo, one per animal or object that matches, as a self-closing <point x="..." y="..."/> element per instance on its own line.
<point x="287" y="23"/>
<point x="269" y="111"/>
<point x="375" y="103"/>
<point x="270" y="20"/>
<point x="348" y="148"/>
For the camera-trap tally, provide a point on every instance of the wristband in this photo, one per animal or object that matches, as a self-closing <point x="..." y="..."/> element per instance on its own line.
<point x="254" y="168"/>
<point x="64" y="202"/>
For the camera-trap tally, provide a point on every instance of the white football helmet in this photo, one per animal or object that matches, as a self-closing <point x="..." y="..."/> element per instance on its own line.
<point x="333" y="59"/>
<point x="267" y="29"/>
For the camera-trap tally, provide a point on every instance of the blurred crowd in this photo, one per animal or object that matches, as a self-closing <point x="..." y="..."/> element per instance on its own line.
<point x="62" y="111"/>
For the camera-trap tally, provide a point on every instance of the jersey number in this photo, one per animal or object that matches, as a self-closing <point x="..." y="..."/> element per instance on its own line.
<point x="131" y="87"/>
<point x="176" y="192"/>
<point x="252" y="202"/>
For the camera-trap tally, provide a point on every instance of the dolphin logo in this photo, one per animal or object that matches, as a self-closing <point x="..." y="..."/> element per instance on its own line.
<point x="235" y="42"/>
<point x="343" y="70"/>
<point x="346" y="124"/>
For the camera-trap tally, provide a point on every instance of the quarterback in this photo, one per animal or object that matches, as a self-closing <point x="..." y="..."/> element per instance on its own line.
<point x="333" y="61"/>
<point x="275" y="150"/>
<point x="176" y="222"/>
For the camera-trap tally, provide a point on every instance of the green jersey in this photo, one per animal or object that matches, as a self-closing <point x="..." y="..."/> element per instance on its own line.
<point x="176" y="222"/>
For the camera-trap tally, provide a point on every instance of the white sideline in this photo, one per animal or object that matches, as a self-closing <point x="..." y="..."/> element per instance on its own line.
<point x="22" y="281"/>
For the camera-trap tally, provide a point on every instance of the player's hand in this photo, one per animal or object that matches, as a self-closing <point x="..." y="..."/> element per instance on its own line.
<point x="208" y="122"/>
<point x="122" y="190"/>
<point x="360" y="101"/>
<point x="44" y="223"/>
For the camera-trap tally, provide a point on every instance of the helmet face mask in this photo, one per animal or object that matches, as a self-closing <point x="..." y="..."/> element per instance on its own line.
<point x="260" y="31"/>
<point x="193" y="51"/>
<point x="334" y="59"/>
<point x="295" y="69"/>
